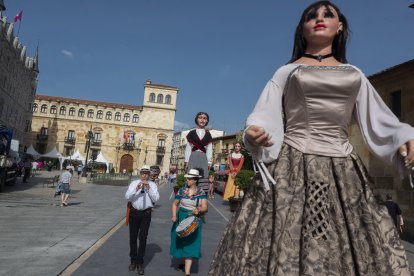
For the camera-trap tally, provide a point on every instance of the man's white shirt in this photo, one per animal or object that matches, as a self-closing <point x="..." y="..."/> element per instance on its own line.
<point x="142" y="201"/>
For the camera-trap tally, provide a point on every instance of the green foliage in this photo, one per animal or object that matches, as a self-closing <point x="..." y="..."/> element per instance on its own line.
<point x="130" y="170"/>
<point x="112" y="170"/>
<point x="180" y="180"/>
<point x="243" y="179"/>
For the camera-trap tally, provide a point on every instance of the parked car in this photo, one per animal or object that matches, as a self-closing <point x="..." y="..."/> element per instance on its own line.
<point x="220" y="181"/>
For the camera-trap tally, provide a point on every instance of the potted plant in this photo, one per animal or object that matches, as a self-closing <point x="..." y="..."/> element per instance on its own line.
<point x="180" y="182"/>
<point x="242" y="181"/>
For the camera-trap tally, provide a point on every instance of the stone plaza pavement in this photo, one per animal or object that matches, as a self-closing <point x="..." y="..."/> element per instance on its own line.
<point x="38" y="237"/>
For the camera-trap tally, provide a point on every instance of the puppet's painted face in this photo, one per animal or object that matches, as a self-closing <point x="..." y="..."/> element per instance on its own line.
<point x="202" y="120"/>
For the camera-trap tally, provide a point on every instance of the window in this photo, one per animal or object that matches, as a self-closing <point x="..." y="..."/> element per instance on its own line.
<point x="99" y="114"/>
<point x="108" y="115"/>
<point x="53" y="109"/>
<point x="43" y="108"/>
<point x="72" y="111"/>
<point x="161" y="142"/>
<point x="34" y="109"/>
<point x="43" y="130"/>
<point x="160" y="159"/>
<point x="117" y="116"/>
<point x="90" y="113"/>
<point x="62" y="110"/>
<point x="81" y="112"/>
<point x="71" y="134"/>
<point x="152" y="98"/>
<point x="168" y="99"/>
<point x="69" y="151"/>
<point x="126" y="117"/>
<point x="97" y="137"/>
<point x="160" y="98"/>
<point x="396" y="103"/>
<point x="135" y="118"/>
<point x="27" y="126"/>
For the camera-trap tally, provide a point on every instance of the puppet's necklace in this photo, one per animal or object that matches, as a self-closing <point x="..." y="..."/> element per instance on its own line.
<point x="318" y="57"/>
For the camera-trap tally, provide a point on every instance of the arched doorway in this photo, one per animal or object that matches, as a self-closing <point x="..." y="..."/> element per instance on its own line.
<point x="127" y="162"/>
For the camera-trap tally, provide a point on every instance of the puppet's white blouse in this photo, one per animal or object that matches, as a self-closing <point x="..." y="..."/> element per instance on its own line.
<point x="380" y="128"/>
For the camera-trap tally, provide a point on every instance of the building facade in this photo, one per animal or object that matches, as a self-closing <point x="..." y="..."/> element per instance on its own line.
<point x="222" y="147"/>
<point x="18" y="81"/>
<point x="179" y="145"/>
<point x="127" y="136"/>
<point x="395" y="85"/>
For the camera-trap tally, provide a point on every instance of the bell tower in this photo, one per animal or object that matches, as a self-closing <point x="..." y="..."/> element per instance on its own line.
<point x="160" y="96"/>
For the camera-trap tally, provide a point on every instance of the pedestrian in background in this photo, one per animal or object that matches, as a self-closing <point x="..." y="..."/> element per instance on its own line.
<point x="189" y="201"/>
<point x="141" y="195"/>
<point x="66" y="182"/>
<point x="155" y="173"/>
<point x="34" y="168"/>
<point x="199" y="149"/>
<point x="310" y="209"/>
<point x="27" y="165"/>
<point x="395" y="212"/>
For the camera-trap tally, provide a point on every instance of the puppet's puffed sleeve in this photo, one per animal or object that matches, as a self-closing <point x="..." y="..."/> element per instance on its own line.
<point x="267" y="113"/>
<point x="382" y="131"/>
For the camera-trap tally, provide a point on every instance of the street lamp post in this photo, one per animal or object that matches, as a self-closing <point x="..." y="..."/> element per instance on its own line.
<point x="88" y="136"/>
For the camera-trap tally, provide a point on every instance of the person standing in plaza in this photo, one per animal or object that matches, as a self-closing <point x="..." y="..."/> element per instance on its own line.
<point x="66" y="183"/>
<point x="236" y="160"/>
<point x="310" y="210"/>
<point x="34" y="168"/>
<point x="199" y="149"/>
<point x="27" y="165"/>
<point x="189" y="201"/>
<point x="395" y="211"/>
<point x="154" y="174"/>
<point x="141" y="196"/>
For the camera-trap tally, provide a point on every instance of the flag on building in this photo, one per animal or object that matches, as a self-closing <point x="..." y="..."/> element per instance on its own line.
<point x="18" y="16"/>
<point x="125" y="136"/>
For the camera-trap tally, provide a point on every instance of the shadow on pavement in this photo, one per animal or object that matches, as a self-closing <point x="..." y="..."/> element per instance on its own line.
<point x="151" y="250"/>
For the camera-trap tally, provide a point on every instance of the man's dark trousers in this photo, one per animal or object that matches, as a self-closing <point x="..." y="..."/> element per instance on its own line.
<point x="139" y="223"/>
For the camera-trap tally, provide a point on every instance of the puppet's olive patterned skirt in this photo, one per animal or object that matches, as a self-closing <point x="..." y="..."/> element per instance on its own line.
<point x="319" y="219"/>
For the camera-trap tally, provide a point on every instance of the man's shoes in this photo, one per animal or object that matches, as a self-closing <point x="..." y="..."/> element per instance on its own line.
<point x="140" y="269"/>
<point x="132" y="266"/>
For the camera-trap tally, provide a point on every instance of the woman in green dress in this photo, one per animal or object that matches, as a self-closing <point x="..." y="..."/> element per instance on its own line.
<point x="189" y="201"/>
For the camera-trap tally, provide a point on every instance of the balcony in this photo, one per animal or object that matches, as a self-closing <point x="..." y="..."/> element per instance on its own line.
<point x="128" y="146"/>
<point x="160" y="150"/>
<point x="96" y="143"/>
<point x="42" y="138"/>
<point x="70" y="140"/>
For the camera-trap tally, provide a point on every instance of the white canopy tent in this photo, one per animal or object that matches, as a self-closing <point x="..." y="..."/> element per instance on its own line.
<point x="76" y="156"/>
<point x="101" y="159"/>
<point x="33" y="152"/>
<point x="55" y="154"/>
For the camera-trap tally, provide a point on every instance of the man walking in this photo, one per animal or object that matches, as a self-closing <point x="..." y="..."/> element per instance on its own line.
<point x="141" y="194"/>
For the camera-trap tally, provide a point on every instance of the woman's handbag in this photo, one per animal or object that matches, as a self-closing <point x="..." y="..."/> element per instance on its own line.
<point x="58" y="189"/>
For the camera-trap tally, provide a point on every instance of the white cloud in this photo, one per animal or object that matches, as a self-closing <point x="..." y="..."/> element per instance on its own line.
<point x="179" y="126"/>
<point x="67" y="53"/>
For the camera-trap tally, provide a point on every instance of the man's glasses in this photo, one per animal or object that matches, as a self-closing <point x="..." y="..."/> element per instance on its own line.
<point x="191" y="178"/>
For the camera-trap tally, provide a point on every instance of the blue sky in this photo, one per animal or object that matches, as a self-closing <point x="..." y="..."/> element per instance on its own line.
<point x="220" y="53"/>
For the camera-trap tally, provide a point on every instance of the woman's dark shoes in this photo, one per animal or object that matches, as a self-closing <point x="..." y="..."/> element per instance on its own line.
<point x="180" y="267"/>
<point x="132" y="266"/>
<point x="140" y="269"/>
